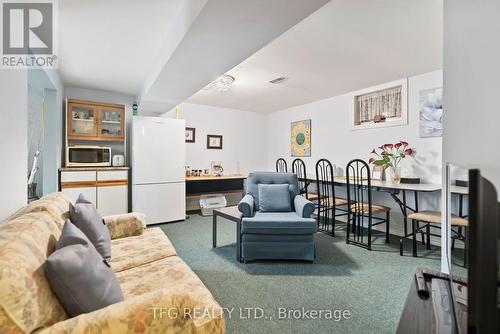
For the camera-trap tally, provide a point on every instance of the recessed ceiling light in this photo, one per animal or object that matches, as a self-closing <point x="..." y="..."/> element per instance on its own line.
<point x="221" y="84"/>
<point x="278" y="80"/>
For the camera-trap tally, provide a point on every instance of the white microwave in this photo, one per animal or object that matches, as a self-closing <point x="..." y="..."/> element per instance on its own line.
<point x="83" y="156"/>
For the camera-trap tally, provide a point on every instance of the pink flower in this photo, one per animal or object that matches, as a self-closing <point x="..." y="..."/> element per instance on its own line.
<point x="371" y="160"/>
<point x="398" y="145"/>
<point x="404" y="143"/>
<point x="408" y="151"/>
<point x="389" y="146"/>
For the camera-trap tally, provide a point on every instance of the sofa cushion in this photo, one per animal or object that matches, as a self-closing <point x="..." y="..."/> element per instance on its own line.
<point x="170" y="276"/>
<point x="134" y="251"/>
<point x="26" y="300"/>
<point x="79" y="276"/>
<point x="274" y="198"/>
<point x="55" y="204"/>
<point x="278" y="223"/>
<point x="125" y="224"/>
<point x="86" y="217"/>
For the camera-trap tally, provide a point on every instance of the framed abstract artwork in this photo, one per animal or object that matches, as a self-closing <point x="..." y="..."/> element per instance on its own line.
<point x="190" y="135"/>
<point x="300" y="139"/>
<point x="431" y="112"/>
<point x="214" y="142"/>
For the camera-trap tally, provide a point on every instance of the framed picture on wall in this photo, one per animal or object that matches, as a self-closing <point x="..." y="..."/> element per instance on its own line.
<point x="300" y="139"/>
<point x="190" y="135"/>
<point x="431" y="112"/>
<point x="214" y="142"/>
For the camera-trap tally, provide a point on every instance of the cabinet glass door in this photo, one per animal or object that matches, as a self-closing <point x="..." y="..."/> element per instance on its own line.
<point x="82" y="121"/>
<point x="110" y="122"/>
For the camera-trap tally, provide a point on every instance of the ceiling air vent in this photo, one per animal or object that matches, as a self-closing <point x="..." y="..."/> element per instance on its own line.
<point x="278" y="80"/>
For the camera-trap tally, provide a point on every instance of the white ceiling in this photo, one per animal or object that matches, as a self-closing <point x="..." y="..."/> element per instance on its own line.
<point x="113" y="44"/>
<point x="223" y="34"/>
<point x="164" y="51"/>
<point x="344" y="46"/>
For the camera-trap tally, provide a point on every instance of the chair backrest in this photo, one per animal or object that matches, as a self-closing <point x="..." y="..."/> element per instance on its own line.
<point x="281" y="166"/>
<point x="256" y="178"/>
<point x="299" y="168"/>
<point x="325" y="182"/>
<point x="359" y="184"/>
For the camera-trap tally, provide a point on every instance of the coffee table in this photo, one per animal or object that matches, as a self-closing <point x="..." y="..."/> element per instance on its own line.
<point x="231" y="213"/>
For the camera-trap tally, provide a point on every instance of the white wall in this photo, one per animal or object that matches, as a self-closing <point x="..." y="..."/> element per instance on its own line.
<point x="472" y="81"/>
<point x="244" y="137"/>
<point x="13" y="141"/>
<point x="52" y="151"/>
<point x="14" y="136"/>
<point x="46" y="85"/>
<point x="54" y="123"/>
<point x="332" y="138"/>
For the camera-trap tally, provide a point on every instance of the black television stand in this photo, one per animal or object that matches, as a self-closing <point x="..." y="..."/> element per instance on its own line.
<point x="423" y="315"/>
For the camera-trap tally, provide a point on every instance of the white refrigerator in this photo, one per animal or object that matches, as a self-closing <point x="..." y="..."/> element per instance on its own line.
<point x="158" y="168"/>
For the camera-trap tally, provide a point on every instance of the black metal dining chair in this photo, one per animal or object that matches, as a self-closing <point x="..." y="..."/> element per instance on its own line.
<point x="281" y="166"/>
<point x="299" y="168"/>
<point x="328" y="203"/>
<point x="359" y="193"/>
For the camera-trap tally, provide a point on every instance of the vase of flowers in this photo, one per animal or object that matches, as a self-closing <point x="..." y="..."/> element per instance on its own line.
<point x="389" y="156"/>
<point x="395" y="174"/>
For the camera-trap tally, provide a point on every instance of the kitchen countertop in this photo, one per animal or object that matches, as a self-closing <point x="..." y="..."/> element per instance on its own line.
<point x="82" y="169"/>
<point x="215" y="178"/>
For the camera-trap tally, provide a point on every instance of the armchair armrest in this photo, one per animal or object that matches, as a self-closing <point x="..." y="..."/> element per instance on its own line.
<point x="125" y="225"/>
<point x="161" y="311"/>
<point x="246" y="205"/>
<point x="303" y="206"/>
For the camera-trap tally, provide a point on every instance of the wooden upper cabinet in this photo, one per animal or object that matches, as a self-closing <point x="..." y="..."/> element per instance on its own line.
<point x="82" y="121"/>
<point x="95" y="121"/>
<point x="110" y="122"/>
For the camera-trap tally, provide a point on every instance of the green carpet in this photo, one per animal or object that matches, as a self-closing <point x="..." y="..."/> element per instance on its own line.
<point x="371" y="285"/>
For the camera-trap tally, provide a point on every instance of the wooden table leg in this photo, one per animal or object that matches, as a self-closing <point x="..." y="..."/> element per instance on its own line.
<point x="214" y="230"/>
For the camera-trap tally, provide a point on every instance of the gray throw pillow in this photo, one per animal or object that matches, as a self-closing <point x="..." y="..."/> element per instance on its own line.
<point x="274" y="198"/>
<point x="78" y="275"/>
<point x="82" y="199"/>
<point x="85" y="216"/>
<point x="71" y="235"/>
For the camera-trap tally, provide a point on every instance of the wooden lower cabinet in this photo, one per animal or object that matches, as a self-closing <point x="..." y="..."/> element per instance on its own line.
<point x="90" y="193"/>
<point x="108" y="189"/>
<point x="112" y="192"/>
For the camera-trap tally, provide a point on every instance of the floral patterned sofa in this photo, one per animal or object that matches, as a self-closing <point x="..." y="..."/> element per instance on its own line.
<point x="162" y="294"/>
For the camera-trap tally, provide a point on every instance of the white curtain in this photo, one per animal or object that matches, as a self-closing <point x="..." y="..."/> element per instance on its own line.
<point x="385" y="102"/>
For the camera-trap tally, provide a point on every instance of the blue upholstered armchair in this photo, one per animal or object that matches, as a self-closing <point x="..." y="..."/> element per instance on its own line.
<point x="276" y="221"/>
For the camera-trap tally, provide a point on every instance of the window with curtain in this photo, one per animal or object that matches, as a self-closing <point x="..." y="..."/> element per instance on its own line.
<point x="385" y="103"/>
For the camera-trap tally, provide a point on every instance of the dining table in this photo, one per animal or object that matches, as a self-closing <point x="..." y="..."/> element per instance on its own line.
<point x="400" y="192"/>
